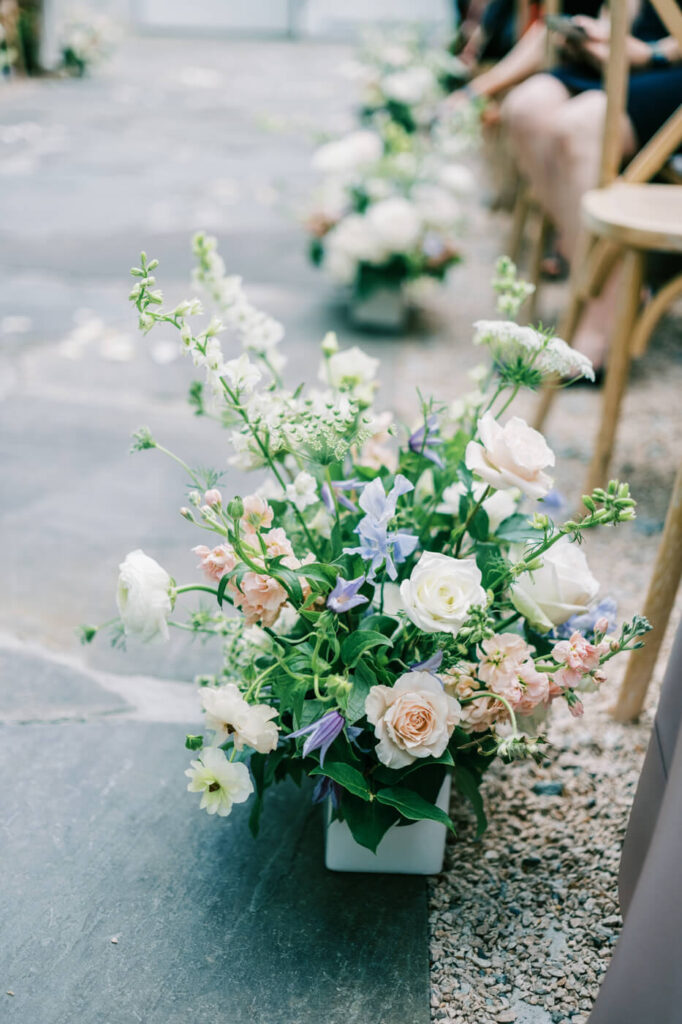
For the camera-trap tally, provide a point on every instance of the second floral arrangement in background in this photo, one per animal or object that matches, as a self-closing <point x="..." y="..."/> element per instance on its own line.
<point x="394" y="605"/>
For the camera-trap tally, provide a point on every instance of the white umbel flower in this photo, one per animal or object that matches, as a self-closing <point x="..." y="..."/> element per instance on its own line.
<point x="144" y="597"/>
<point x="221" y="783"/>
<point x="509" y="341"/>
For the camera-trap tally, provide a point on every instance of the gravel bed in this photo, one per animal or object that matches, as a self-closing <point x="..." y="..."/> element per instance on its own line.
<point x="524" y="921"/>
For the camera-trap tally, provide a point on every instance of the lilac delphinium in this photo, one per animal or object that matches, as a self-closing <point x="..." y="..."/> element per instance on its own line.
<point x="378" y="544"/>
<point x="345" y="595"/>
<point x="332" y="494"/>
<point x="424" y="439"/>
<point x="320" y="734"/>
<point x="326" y="787"/>
<point x="431" y="664"/>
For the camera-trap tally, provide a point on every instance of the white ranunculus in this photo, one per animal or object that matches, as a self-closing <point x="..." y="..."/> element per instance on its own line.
<point x="358" y="149"/>
<point x="229" y="715"/>
<point x="144" y="597"/>
<point x="410" y="86"/>
<point x="436" y="207"/>
<point x="562" y="587"/>
<point x="498" y="507"/>
<point x="458" y="178"/>
<point x="395" y="223"/>
<point x="441" y="591"/>
<point x="221" y="783"/>
<point x="511" y="456"/>
<point x="412" y="719"/>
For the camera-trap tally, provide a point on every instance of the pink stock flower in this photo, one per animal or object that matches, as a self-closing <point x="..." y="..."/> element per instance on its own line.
<point x="535" y="688"/>
<point x="260" y="597"/>
<point x="278" y="545"/>
<point x="460" y="680"/>
<point x="577" y="709"/>
<point x="257" y="514"/>
<point x="601" y="626"/>
<point x="578" y="658"/>
<point x="499" y="669"/>
<point x="481" y="714"/>
<point x="215" y="562"/>
<point x="213" y="497"/>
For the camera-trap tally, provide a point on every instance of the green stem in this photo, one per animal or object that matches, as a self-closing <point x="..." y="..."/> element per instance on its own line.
<point x="469" y="517"/>
<point x="181" y="462"/>
<point x="195" y="586"/>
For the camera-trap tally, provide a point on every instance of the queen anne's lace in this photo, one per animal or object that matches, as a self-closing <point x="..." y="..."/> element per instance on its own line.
<point x="509" y="342"/>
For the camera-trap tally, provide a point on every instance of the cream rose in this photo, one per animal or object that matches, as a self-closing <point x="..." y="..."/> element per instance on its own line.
<point x="144" y="597"/>
<point x="511" y="456"/>
<point x="441" y="591"/>
<point x="412" y="719"/>
<point x="562" y="587"/>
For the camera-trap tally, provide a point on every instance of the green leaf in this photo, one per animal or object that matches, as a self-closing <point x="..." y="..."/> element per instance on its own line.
<point x="412" y="806"/>
<point x="347" y="776"/>
<point x="368" y="822"/>
<point x="494" y="567"/>
<point x="479" y="527"/>
<point x="363" y="680"/>
<point x="325" y="574"/>
<point x="516" y="528"/>
<point x="465" y="782"/>
<point x="360" y="641"/>
<point x="385" y="624"/>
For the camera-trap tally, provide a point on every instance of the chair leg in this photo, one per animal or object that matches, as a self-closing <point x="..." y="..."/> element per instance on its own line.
<point x="659" y="602"/>
<point x="520" y="216"/>
<point x="535" y="269"/>
<point x="618" y="369"/>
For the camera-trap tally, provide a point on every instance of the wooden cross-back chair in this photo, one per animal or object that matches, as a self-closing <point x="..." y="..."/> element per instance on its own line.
<point x="624" y="220"/>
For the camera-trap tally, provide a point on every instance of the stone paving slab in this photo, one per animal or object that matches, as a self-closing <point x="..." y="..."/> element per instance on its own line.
<point x="101" y="841"/>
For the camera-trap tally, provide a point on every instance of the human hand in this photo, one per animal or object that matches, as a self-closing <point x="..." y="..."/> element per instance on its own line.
<point x="596" y="45"/>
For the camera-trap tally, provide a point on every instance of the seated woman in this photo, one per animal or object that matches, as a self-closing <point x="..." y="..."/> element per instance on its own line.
<point x="555" y="124"/>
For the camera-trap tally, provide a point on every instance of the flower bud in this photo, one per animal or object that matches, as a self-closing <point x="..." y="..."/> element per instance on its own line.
<point x="194" y="742"/>
<point x="186" y="513"/>
<point x="330" y="344"/>
<point x="601" y="626"/>
<point x="213" y="497"/>
<point x="235" y="508"/>
<point x="195" y="498"/>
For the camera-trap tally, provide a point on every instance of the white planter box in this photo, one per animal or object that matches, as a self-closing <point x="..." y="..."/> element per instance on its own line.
<point x="416" y="849"/>
<point x="384" y="309"/>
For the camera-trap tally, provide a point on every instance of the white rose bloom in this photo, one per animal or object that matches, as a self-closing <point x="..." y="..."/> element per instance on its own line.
<point x="511" y="456"/>
<point x="436" y="207"/>
<point x="563" y="587"/>
<point x="441" y="591"/>
<point x="498" y="507"/>
<point x="413" y="719"/>
<point x="395" y="223"/>
<point x="358" y="149"/>
<point x="410" y="86"/>
<point x="303" y="491"/>
<point x="457" y="178"/>
<point x="143" y="597"/>
<point x="229" y="715"/>
<point x="354" y="239"/>
<point x="220" y="782"/>
<point x="241" y="373"/>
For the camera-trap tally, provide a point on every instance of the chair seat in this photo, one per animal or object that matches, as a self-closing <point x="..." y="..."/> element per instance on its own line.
<point x="645" y="217"/>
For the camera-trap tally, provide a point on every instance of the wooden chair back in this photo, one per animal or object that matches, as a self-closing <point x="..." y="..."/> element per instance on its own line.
<point x="651" y="158"/>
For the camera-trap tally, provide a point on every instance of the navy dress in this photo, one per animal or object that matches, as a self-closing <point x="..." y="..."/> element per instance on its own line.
<point x="654" y="94"/>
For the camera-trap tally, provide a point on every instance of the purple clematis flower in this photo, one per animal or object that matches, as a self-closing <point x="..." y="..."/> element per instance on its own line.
<point x="321" y="734"/>
<point x="336" y="491"/>
<point x="345" y="595"/>
<point x="431" y="664"/>
<point x="423" y="440"/>
<point x="326" y="787"/>
<point x="377" y="543"/>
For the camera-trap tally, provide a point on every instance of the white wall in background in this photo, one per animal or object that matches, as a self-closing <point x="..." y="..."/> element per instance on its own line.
<point x="271" y="17"/>
<point x="345" y="18"/>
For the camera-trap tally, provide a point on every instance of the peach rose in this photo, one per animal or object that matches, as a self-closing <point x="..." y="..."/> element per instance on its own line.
<point x="413" y="719"/>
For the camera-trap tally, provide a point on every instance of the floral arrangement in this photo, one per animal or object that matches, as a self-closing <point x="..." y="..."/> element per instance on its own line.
<point x="388" y="212"/>
<point x="86" y="40"/>
<point x="403" y="79"/>
<point x="394" y="603"/>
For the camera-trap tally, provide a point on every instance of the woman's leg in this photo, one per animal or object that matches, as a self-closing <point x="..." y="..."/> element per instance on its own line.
<point x="573" y="161"/>
<point x="527" y="113"/>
